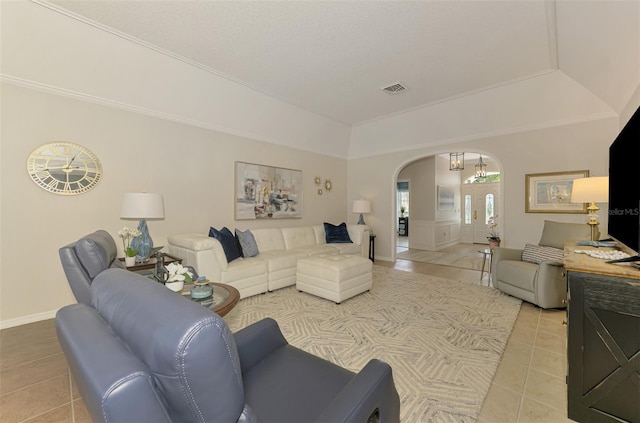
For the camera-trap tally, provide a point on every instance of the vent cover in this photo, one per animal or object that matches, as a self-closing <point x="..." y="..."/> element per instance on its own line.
<point x="394" y="88"/>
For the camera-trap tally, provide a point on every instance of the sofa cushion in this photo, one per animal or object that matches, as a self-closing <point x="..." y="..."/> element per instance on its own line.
<point x="336" y="234"/>
<point x="347" y="248"/>
<point x="318" y="231"/>
<point x="314" y="250"/>
<point x="269" y="239"/>
<point x="537" y="253"/>
<point x="247" y="243"/>
<point x="298" y="236"/>
<point x="228" y="241"/>
<point x="279" y="260"/>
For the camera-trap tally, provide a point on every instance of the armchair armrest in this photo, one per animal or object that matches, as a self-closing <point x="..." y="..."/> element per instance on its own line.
<point x="501" y="253"/>
<point x="359" y="235"/>
<point x="257" y="341"/>
<point x="551" y="285"/>
<point x="202" y="252"/>
<point x="114" y="384"/>
<point x="371" y="391"/>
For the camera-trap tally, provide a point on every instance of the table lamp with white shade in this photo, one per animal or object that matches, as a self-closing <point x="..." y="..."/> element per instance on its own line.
<point x="142" y="205"/>
<point x="591" y="190"/>
<point x="363" y="207"/>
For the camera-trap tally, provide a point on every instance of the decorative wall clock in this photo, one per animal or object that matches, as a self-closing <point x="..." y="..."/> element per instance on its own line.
<point x="64" y="168"/>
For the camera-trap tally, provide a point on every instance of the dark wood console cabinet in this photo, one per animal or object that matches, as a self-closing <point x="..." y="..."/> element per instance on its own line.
<point x="403" y="226"/>
<point x="603" y="382"/>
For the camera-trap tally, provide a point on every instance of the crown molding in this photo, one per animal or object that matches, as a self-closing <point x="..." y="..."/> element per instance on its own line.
<point x="490" y="134"/>
<point x="63" y="92"/>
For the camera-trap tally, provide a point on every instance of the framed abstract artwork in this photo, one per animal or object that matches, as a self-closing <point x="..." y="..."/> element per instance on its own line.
<point x="446" y="197"/>
<point x="267" y="192"/>
<point x="551" y="192"/>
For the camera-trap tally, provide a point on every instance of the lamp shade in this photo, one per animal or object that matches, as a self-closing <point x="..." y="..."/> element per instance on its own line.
<point x="142" y="205"/>
<point x="587" y="190"/>
<point x="361" y="206"/>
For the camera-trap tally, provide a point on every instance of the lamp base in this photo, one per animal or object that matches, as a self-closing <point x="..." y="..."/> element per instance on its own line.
<point x="143" y="243"/>
<point x="361" y="220"/>
<point x="593" y="221"/>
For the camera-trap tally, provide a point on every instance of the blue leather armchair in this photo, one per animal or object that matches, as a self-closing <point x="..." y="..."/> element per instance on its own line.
<point x="142" y="353"/>
<point x="84" y="259"/>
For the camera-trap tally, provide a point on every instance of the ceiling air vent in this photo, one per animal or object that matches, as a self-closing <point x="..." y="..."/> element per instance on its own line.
<point x="394" y="88"/>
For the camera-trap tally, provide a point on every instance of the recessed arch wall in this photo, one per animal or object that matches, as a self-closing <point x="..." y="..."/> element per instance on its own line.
<point x="469" y="168"/>
<point x="581" y="145"/>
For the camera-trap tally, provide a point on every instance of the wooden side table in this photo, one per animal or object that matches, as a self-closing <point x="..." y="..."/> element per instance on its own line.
<point x="151" y="263"/>
<point x="225" y="297"/>
<point x="372" y="247"/>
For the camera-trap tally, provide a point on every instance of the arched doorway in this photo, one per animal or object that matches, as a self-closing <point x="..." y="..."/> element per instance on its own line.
<point x="431" y="222"/>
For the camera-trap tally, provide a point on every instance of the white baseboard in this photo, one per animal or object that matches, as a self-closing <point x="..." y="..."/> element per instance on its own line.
<point x="18" y="321"/>
<point x="383" y="258"/>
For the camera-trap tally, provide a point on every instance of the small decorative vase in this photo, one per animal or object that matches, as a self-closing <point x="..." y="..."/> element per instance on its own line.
<point x="175" y="286"/>
<point x="493" y="243"/>
<point x="130" y="261"/>
<point x="201" y="291"/>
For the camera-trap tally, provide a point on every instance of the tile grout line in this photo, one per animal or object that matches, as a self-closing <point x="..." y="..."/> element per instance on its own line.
<point x="73" y="409"/>
<point x="30" y="361"/>
<point x="526" y="379"/>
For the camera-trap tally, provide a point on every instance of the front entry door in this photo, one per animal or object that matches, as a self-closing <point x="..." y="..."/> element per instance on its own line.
<point x="485" y="199"/>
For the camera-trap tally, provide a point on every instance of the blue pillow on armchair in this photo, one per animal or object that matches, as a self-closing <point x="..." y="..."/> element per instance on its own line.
<point x="228" y="241"/>
<point x="336" y="234"/>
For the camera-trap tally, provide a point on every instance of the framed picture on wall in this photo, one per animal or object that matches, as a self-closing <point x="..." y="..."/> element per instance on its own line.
<point x="551" y="192"/>
<point x="267" y="192"/>
<point x="446" y="197"/>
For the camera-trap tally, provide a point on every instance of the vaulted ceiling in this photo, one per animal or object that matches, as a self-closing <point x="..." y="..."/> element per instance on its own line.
<point x="333" y="57"/>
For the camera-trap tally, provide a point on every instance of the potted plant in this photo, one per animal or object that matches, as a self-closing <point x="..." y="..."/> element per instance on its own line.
<point x="494" y="236"/>
<point x="178" y="275"/>
<point x="402" y="210"/>
<point x="127" y="234"/>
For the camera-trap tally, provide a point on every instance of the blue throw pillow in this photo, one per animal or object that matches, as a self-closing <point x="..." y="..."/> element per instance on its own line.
<point x="228" y="241"/>
<point x="336" y="234"/>
<point x="247" y="243"/>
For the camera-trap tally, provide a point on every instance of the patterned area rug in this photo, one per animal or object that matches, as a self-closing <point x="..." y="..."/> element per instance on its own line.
<point x="473" y="262"/>
<point x="443" y="338"/>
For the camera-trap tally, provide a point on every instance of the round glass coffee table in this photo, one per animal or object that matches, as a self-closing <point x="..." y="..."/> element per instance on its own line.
<point x="225" y="297"/>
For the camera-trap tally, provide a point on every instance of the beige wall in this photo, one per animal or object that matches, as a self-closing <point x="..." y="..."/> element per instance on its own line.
<point x="192" y="167"/>
<point x="424" y="176"/>
<point x="421" y="177"/>
<point x="568" y="147"/>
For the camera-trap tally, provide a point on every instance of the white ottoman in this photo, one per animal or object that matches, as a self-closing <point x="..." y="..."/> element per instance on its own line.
<point x="334" y="277"/>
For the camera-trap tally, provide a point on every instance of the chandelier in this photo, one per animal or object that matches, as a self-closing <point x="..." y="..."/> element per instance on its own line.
<point x="456" y="161"/>
<point x="481" y="169"/>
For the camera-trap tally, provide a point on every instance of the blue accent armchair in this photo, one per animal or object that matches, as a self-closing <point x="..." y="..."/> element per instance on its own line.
<point x="142" y="353"/>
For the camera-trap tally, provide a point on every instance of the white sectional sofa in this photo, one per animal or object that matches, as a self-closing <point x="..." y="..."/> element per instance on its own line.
<point x="275" y="266"/>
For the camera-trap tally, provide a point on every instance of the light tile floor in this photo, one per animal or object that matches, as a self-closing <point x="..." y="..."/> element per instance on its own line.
<point x="529" y="385"/>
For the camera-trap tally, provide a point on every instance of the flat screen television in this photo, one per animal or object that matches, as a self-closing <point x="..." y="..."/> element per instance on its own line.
<point x="624" y="187"/>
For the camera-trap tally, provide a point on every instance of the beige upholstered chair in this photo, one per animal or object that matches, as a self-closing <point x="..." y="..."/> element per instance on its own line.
<point x="540" y="279"/>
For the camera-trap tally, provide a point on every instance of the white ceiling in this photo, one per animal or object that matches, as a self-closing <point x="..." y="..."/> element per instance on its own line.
<point x="333" y="57"/>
